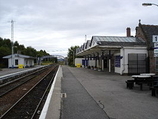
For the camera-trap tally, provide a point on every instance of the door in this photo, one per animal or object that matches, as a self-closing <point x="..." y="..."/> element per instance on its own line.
<point x="137" y="63"/>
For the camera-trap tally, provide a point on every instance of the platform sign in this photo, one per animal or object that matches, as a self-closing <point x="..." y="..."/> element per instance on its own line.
<point x="117" y="61"/>
<point x="155" y="38"/>
<point x="155" y="50"/>
<point x="155" y="54"/>
<point x="156" y="45"/>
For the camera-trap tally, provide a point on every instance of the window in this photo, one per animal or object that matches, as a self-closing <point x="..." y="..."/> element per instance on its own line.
<point x="16" y="62"/>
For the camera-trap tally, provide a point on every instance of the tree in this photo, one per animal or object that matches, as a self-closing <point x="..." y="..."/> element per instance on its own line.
<point x="42" y="53"/>
<point x="30" y="51"/>
<point x="72" y="55"/>
<point x="6" y="48"/>
<point x="3" y="52"/>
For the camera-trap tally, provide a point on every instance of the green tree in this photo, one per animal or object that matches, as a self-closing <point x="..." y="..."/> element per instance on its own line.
<point x="7" y="43"/>
<point x="30" y="51"/>
<point x="42" y="53"/>
<point x="72" y="55"/>
<point x="6" y="48"/>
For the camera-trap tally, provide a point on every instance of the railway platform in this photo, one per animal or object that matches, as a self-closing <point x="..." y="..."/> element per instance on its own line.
<point x="90" y="94"/>
<point x="6" y="71"/>
<point x="80" y="93"/>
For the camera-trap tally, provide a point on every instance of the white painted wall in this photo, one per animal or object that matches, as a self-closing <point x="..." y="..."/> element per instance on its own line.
<point x="124" y="61"/>
<point x="78" y="61"/>
<point x="92" y="62"/>
<point x="25" y="62"/>
<point x="9" y="63"/>
<point x="21" y="60"/>
<point x="117" y="69"/>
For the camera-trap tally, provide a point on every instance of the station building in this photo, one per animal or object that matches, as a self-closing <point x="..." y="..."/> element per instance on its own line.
<point x="123" y="55"/>
<point x="16" y="60"/>
<point x="149" y="33"/>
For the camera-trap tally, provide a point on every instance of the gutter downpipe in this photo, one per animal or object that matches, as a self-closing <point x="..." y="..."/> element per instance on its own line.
<point x="109" y="60"/>
<point x="123" y="61"/>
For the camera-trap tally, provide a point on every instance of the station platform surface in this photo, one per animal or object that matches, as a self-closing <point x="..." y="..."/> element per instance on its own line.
<point x="78" y="103"/>
<point x="6" y="71"/>
<point x="102" y="95"/>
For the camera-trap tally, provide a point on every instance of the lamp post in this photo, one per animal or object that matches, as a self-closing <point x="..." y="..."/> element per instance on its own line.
<point x="149" y="4"/>
<point x="12" y="39"/>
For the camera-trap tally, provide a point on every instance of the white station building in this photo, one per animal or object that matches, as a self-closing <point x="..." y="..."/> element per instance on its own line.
<point x="18" y="59"/>
<point x="123" y="55"/>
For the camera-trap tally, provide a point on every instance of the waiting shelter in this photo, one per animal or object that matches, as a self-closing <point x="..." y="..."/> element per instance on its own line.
<point x="19" y="61"/>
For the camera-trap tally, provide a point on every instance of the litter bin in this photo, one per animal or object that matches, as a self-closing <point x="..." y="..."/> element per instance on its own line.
<point x="20" y="66"/>
<point x="78" y="65"/>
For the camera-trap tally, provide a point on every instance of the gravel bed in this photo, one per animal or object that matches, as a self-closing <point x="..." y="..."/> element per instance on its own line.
<point x="8" y="100"/>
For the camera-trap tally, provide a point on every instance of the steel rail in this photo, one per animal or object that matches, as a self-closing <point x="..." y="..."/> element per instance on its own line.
<point x="3" y="116"/>
<point x="44" y="95"/>
<point x="11" y="77"/>
<point x="22" y="82"/>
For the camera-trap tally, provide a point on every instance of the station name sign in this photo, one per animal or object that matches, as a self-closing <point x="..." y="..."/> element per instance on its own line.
<point x="156" y="45"/>
<point x="155" y="41"/>
<point x="155" y="38"/>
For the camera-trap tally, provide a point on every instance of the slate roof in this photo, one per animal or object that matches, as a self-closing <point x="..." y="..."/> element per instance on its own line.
<point x="19" y="55"/>
<point x="118" y="41"/>
<point x="111" y="41"/>
<point x="149" y="30"/>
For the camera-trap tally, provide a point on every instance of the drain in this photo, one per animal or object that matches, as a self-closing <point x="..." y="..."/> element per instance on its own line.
<point x="63" y="95"/>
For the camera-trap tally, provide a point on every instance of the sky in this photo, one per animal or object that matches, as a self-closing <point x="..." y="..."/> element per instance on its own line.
<point x="56" y="25"/>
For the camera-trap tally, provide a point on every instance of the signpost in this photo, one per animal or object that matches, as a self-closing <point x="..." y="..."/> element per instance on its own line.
<point x="155" y="41"/>
<point x="155" y="38"/>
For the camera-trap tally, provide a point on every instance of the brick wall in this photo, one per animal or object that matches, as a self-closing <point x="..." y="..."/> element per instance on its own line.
<point x="139" y="33"/>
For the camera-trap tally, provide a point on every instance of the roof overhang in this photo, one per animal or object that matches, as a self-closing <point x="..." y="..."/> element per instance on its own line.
<point x="98" y="48"/>
<point x="106" y="49"/>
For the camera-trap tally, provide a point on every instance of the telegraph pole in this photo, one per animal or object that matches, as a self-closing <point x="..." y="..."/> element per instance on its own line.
<point x="12" y="39"/>
<point x="85" y="37"/>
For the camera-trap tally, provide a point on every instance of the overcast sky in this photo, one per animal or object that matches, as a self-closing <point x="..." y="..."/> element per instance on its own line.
<point x="56" y="25"/>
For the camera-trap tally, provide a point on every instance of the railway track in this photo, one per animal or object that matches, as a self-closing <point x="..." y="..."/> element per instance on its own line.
<point x="30" y="103"/>
<point x="11" y="85"/>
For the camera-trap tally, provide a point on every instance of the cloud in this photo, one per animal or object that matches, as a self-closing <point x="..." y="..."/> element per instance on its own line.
<point x="56" y="25"/>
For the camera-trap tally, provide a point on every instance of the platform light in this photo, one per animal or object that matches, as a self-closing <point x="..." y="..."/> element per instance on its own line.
<point x="149" y="4"/>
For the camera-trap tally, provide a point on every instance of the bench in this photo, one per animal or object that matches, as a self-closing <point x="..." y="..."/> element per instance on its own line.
<point x="142" y="79"/>
<point x="154" y="90"/>
<point x="130" y="84"/>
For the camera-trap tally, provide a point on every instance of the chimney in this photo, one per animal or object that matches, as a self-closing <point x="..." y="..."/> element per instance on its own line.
<point x="128" y="32"/>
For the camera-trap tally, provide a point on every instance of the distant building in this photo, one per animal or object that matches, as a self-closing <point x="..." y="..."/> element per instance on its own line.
<point x="19" y="59"/>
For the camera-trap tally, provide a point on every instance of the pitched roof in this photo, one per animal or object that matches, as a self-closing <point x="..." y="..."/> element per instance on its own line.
<point x="117" y="41"/>
<point x="19" y="55"/>
<point x="149" y="31"/>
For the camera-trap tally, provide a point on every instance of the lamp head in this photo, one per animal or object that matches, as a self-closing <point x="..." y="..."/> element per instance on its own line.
<point x="146" y="4"/>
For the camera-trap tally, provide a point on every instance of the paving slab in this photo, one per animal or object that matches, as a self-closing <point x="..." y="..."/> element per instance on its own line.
<point x="109" y="91"/>
<point x="78" y="103"/>
<point x="6" y="71"/>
